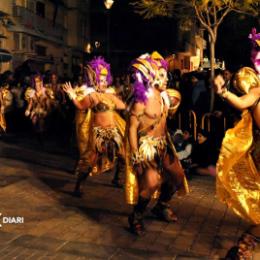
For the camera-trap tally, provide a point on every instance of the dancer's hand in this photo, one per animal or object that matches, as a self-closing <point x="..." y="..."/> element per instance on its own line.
<point x="69" y="90"/>
<point x="27" y="112"/>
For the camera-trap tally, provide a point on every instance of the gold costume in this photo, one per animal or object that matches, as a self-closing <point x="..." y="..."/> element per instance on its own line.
<point x="91" y="140"/>
<point x="7" y="99"/>
<point x="2" y="122"/>
<point x="149" y="148"/>
<point x="238" y="180"/>
<point x="40" y="103"/>
<point x="238" y="175"/>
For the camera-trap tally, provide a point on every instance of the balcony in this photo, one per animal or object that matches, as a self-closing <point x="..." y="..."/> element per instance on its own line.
<point x="38" y="26"/>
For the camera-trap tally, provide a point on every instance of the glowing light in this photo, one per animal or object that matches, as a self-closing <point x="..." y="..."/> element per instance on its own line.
<point x="88" y="48"/>
<point x="97" y="44"/>
<point x="108" y="3"/>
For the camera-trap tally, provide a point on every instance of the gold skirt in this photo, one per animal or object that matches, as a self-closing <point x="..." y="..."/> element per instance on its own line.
<point x="238" y="180"/>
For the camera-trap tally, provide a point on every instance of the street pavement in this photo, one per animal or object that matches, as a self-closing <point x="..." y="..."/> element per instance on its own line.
<point x="36" y="185"/>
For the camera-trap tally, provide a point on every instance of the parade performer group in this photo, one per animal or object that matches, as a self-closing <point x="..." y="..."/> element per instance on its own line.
<point x="238" y="167"/>
<point x="152" y="167"/>
<point x="140" y="144"/>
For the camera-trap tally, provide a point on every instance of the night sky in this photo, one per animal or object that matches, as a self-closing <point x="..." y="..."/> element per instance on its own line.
<point x="131" y="35"/>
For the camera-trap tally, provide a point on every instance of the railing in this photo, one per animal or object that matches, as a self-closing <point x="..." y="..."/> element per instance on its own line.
<point x="187" y="121"/>
<point x="209" y="122"/>
<point x="206" y="117"/>
<point x="31" y="21"/>
<point x="193" y="123"/>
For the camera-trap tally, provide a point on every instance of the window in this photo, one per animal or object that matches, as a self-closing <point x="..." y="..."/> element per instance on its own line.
<point x="32" y="44"/>
<point x="24" y="42"/>
<point x="40" y="50"/>
<point x="30" y="5"/>
<point x="186" y="62"/>
<point x="40" y="9"/>
<point x="16" y="41"/>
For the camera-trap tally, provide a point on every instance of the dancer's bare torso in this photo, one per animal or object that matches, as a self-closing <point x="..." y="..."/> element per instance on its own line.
<point x="151" y="116"/>
<point x="103" y="106"/>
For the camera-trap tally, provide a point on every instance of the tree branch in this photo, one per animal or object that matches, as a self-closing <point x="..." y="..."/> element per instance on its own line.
<point x="223" y="16"/>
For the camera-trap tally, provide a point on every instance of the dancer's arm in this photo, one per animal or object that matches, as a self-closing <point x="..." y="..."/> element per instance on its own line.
<point x="120" y="105"/>
<point x="244" y="101"/>
<point x="29" y="107"/>
<point x="2" y="102"/>
<point x="87" y="102"/>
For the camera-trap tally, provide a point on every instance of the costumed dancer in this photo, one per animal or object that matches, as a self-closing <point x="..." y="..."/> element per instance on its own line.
<point x="152" y="163"/>
<point x="238" y="167"/>
<point x="100" y="131"/>
<point x="40" y="100"/>
<point x="6" y="101"/>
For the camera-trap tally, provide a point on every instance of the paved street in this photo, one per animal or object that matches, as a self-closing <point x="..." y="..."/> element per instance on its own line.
<point x="36" y="186"/>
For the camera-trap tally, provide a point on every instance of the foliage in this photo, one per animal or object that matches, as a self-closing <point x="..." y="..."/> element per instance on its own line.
<point x="210" y="12"/>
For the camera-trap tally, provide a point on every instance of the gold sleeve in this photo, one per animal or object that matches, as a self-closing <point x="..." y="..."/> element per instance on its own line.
<point x="29" y="93"/>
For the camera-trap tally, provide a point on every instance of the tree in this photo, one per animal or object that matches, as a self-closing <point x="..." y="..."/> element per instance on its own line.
<point x="209" y="13"/>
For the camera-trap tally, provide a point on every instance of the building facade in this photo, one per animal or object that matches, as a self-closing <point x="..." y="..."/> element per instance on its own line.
<point x="47" y="34"/>
<point x="191" y="46"/>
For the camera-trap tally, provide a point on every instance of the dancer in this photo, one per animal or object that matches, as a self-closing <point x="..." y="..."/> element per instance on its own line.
<point x="238" y="167"/>
<point x="101" y="133"/>
<point x="40" y="100"/>
<point x="5" y="103"/>
<point x="152" y="162"/>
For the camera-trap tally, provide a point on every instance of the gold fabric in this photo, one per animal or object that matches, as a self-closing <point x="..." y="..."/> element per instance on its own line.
<point x="131" y="183"/>
<point x="29" y="93"/>
<point x="7" y="97"/>
<point x="173" y="94"/>
<point x="50" y="93"/>
<point x="238" y="180"/>
<point x="2" y="122"/>
<point x="81" y="92"/>
<point x="83" y="122"/>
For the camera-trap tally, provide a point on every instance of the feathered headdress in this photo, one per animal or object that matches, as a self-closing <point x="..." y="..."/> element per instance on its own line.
<point x="145" y="69"/>
<point x="255" y="39"/>
<point x="162" y="63"/>
<point x="96" y="68"/>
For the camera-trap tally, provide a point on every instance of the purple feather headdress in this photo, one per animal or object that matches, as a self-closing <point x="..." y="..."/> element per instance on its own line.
<point x="97" y="64"/>
<point x="139" y="88"/>
<point x="164" y="64"/>
<point x="143" y="69"/>
<point x="255" y="39"/>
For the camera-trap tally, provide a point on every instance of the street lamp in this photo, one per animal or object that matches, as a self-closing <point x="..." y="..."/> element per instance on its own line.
<point x="108" y="4"/>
